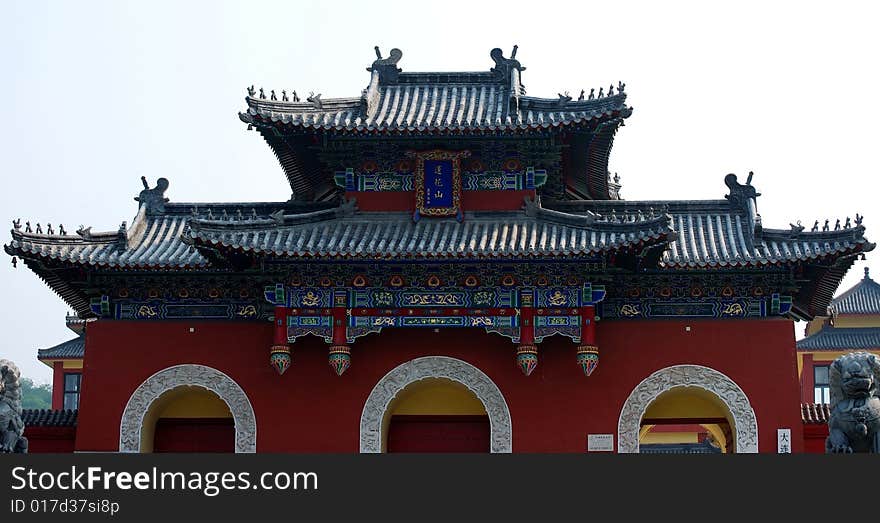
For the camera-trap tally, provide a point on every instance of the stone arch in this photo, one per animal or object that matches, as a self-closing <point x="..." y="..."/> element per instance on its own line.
<point x="376" y="406"/>
<point x="745" y="424"/>
<point x="166" y="380"/>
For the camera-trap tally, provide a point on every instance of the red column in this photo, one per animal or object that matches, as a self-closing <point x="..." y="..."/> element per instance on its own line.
<point x="58" y="385"/>
<point x="808" y="380"/>
<point x="527" y="351"/>
<point x="339" y="356"/>
<point x="279" y="354"/>
<point x="588" y="352"/>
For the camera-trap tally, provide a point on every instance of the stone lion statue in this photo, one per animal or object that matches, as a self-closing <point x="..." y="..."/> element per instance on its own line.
<point x="854" y="425"/>
<point x="11" y="424"/>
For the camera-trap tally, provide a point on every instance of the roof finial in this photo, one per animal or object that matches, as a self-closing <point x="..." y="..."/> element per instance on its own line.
<point x="867" y="276"/>
<point x="513" y="53"/>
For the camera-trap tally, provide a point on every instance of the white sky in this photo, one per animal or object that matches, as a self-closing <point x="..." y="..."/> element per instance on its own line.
<point x="100" y="93"/>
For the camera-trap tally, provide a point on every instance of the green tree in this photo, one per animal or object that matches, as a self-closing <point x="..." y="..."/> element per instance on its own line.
<point x="35" y="396"/>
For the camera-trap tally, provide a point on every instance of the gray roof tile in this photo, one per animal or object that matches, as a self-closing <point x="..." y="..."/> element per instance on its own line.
<point x="396" y="235"/>
<point x="49" y="418"/>
<point x="862" y="298"/>
<point x="705" y="234"/>
<point x="831" y="338"/>
<point x="74" y="348"/>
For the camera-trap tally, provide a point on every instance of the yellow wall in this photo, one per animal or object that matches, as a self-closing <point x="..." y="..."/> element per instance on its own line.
<point x="853" y="321"/>
<point x="65" y="364"/>
<point x="824" y="356"/>
<point x="437" y="396"/>
<point x="684" y="402"/>
<point x="669" y="437"/>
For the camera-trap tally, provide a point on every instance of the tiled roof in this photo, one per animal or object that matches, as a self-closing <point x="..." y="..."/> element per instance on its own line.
<point x="74" y="348"/>
<point x="862" y="298"/>
<point x="815" y="413"/>
<point x="49" y="418"/>
<point x="447" y="101"/>
<point x="707" y="234"/>
<point x="435" y="107"/>
<point x="152" y="241"/>
<point x="716" y="233"/>
<point x="831" y="338"/>
<point x="538" y="232"/>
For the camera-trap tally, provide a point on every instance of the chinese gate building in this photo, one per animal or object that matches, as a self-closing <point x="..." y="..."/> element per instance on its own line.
<point x="454" y="271"/>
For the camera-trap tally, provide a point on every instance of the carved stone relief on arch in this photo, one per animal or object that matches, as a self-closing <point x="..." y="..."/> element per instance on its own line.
<point x="376" y="406"/>
<point x="745" y="424"/>
<point x="166" y="380"/>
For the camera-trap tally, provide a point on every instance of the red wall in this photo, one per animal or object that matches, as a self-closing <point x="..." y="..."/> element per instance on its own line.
<point x="310" y="409"/>
<point x="50" y="439"/>
<point x="814" y="438"/>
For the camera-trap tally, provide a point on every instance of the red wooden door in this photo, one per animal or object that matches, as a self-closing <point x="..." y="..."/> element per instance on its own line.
<point x="194" y="435"/>
<point x="438" y="434"/>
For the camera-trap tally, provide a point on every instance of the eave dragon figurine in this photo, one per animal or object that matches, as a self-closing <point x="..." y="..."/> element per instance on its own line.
<point x="11" y="425"/>
<point x="854" y="425"/>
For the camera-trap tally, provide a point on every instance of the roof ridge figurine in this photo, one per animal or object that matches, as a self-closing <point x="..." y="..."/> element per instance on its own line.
<point x="153" y="199"/>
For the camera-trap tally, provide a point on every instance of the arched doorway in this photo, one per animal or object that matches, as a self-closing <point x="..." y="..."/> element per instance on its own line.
<point x="188" y="419"/>
<point x="446" y="379"/>
<point x="686" y="420"/>
<point x="186" y="396"/>
<point x="436" y="415"/>
<point x="689" y="396"/>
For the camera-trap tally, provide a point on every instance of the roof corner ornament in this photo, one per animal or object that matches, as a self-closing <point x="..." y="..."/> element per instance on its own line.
<point x="796" y="229"/>
<point x="563" y="98"/>
<point x="347" y="208"/>
<point x="740" y="193"/>
<point x="386" y="68"/>
<point x="84" y="232"/>
<point x="592" y="94"/>
<point x="153" y="199"/>
<point x="859" y="220"/>
<point x="16" y="224"/>
<point x="315" y="100"/>
<point x="251" y="91"/>
<point x="503" y="66"/>
<point x="27" y="227"/>
<point x="122" y="237"/>
<point x="620" y="87"/>
<point x="532" y="205"/>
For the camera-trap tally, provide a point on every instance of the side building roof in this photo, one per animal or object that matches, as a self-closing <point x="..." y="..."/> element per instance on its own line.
<point x="836" y="339"/>
<point x="862" y="298"/>
<point x="71" y="349"/>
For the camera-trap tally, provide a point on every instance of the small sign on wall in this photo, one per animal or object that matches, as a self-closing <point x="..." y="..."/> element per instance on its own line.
<point x="783" y="441"/>
<point x="600" y="442"/>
